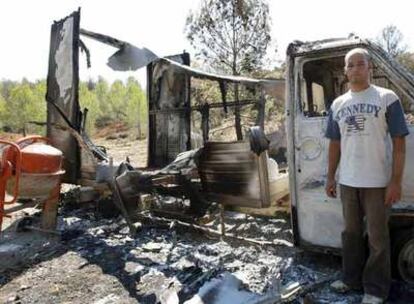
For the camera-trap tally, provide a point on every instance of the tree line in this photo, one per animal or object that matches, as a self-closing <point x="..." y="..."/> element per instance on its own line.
<point x="23" y="102"/>
<point x="229" y="36"/>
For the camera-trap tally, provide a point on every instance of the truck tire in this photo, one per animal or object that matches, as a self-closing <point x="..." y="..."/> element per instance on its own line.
<point x="403" y="255"/>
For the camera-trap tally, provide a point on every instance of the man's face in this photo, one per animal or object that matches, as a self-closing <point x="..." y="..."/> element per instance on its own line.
<point x="357" y="69"/>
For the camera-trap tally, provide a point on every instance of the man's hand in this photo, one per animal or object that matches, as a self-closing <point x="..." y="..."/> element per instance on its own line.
<point x="334" y="155"/>
<point x="392" y="193"/>
<point x="330" y="187"/>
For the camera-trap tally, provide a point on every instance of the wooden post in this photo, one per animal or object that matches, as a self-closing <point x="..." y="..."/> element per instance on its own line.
<point x="261" y="111"/>
<point x="263" y="179"/>
<point x="223" y="227"/>
<point x="50" y="208"/>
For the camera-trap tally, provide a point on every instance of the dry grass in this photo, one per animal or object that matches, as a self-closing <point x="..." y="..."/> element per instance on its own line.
<point x="121" y="148"/>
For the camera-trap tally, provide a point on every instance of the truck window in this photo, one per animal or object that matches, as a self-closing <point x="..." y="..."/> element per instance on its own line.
<point x="315" y="97"/>
<point x="323" y="81"/>
<point x="380" y="78"/>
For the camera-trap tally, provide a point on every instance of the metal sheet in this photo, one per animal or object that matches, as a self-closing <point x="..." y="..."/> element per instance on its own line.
<point x="169" y="106"/>
<point x="132" y="58"/>
<point x="62" y="90"/>
<point x="232" y="174"/>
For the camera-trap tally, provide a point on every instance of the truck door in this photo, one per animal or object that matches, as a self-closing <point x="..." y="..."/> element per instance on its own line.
<point x="317" y="82"/>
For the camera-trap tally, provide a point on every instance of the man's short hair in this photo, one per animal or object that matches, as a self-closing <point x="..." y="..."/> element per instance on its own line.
<point x="360" y="51"/>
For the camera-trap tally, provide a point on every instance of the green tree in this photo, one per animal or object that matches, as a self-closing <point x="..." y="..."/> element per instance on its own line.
<point x="6" y="87"/>
<point x="38" y="106"/>
<point x="136" y="108"/>
<point x="25" y="104"/>
<point x="101" y="91"/>
<point x="88" y="99"/>
<point x="3" y="111"/>
<point x="22" y="102"/>
<point x="117" y="101"/>
<point x="231" y="35"/>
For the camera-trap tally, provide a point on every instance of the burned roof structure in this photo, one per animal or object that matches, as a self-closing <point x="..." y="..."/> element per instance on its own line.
<point x="244" y="180"/>
<point x="168" y="93"/>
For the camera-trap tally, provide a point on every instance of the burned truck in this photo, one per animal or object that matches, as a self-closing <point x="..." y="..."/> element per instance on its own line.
<point x="228" y="172"/>
<point x="315" y="78"/>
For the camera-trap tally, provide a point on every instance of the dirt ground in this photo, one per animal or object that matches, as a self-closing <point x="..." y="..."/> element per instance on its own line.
<point x="96" y="260"/>
<point x="121" y="148"/>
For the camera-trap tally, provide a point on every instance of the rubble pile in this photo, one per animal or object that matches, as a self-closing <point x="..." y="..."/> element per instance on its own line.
<point x="98" y="261"/>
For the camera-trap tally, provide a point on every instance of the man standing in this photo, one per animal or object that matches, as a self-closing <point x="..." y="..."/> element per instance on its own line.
<point x="359" y="125"/>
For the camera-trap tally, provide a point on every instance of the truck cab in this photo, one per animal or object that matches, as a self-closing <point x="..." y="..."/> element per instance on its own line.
<point x="315" y="77"/>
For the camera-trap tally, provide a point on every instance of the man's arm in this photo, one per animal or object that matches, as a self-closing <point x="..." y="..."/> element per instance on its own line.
<point x="398" y="130"/>
<point x="334" y="154"/>
<point x="393" y="191"/>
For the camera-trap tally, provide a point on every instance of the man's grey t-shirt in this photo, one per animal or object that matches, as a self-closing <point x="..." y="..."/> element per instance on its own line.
<point x="363" y="121"/>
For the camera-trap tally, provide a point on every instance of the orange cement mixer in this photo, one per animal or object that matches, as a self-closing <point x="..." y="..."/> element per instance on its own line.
<point x="30" y="169"/>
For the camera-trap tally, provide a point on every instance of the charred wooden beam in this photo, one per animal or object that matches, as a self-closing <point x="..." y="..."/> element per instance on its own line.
<point x="211" y="231"/>
<point x="214" y="105"/>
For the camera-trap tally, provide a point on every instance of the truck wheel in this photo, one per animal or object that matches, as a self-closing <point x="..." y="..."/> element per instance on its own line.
<point x="404" y="249"/>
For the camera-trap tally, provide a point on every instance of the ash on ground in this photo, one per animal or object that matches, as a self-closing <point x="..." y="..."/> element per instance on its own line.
<point x="97" y="261"/>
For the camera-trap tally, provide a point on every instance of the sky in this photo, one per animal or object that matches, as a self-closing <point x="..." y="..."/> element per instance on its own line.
<point x="159" y="26"/>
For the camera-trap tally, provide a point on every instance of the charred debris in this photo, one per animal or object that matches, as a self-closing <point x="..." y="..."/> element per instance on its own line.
<point x="200" y="175"/>
<point x="188" y="184"/>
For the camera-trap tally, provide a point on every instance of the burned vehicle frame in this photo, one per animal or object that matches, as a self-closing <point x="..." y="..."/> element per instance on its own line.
<point x="230" y="173"/>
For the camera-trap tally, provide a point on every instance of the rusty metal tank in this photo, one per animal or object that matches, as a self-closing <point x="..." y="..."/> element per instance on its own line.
<point x="41" y="168"/>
